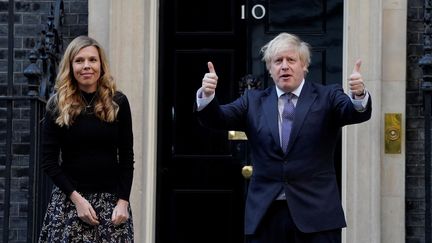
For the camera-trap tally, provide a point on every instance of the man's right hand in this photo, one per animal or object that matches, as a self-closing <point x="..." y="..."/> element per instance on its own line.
<point x="209" y="82"/>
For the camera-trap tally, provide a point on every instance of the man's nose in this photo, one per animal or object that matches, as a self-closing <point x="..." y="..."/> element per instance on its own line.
<point x="285" y="65"/>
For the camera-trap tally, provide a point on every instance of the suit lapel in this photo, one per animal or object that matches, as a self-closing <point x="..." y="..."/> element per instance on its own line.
<point x="306" y="99"/>
<point x="270" y="110"/>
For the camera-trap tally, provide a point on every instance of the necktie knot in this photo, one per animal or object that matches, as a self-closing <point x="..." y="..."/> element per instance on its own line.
<point x="288" y="96"/>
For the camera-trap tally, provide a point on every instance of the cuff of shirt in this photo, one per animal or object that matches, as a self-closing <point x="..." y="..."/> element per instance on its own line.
<point x="360" y="104"/>
<point x="201" y="100"/>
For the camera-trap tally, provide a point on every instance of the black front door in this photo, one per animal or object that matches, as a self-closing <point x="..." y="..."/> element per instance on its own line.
<point x="201" y="190"/>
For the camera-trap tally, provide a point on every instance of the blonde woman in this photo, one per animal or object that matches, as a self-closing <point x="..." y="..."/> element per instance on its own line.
<point x="87" y="151"/>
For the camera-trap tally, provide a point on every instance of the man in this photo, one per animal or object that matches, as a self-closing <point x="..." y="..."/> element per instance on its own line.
<point x="292" y="129"/>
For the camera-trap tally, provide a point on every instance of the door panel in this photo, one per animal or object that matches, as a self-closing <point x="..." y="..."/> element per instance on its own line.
<point x="317" y="22"/>
<point x="190" y="65"/>
<point x="289" y="16"/>
<point x="201" y="190"/>
<point x="200" y="186"/>
<point x="198" y="215"/>
<point x="204" y="16"/>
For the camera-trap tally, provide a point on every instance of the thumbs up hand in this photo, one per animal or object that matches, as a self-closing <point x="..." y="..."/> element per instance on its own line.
<point x="209" y="82"/>
<point x="355" y="81"/>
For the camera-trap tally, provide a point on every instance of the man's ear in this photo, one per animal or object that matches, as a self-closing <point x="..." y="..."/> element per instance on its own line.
<point x="305" y="69"/>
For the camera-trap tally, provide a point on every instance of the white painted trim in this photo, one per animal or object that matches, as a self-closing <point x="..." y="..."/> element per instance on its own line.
<point x="362" y="142"/>
<point x="128" y="30"/>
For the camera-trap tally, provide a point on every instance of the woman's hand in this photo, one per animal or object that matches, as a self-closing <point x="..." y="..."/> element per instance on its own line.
<point x="84" y="209"/>
<point x="120" y="213"/>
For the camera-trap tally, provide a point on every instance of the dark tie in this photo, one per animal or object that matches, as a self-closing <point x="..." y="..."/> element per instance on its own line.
<point x="287" y="119"/>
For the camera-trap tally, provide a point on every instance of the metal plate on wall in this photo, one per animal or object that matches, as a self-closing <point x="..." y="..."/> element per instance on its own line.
<point x="393" y="133"/>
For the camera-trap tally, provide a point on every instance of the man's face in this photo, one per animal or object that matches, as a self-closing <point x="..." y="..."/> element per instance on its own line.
<point x="287" y="70"/>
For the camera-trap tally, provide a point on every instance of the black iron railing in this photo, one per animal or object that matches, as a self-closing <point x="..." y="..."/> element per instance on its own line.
<point x="46" y="54"/>
<point x="38" y="182"/>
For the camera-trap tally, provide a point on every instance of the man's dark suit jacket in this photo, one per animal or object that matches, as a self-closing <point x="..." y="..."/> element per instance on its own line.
<point x="306" y="171"/>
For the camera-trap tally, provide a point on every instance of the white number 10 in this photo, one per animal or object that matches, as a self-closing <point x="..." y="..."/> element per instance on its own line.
<point x="258" y="11"/>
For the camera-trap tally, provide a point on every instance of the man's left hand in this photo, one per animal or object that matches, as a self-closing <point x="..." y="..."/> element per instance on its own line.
<point x="355" y="81"/>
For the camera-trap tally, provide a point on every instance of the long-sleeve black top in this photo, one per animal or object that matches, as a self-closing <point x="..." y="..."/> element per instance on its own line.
<point x="96" y="156"/>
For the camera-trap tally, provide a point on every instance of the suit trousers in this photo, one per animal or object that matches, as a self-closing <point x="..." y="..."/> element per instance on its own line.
<point x="278" y="226"/>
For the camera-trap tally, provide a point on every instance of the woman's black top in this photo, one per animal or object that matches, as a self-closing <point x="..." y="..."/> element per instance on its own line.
<point x="90" y="155"/>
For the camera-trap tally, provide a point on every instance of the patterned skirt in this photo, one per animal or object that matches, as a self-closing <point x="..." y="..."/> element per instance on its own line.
<point x="61" y="222"/>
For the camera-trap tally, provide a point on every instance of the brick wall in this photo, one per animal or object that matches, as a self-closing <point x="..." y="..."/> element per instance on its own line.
<point x="30" y="18"/>
<point x="415" y="187"/>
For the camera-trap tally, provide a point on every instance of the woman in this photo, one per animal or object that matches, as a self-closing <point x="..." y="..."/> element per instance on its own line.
<point x="87" y="151"/>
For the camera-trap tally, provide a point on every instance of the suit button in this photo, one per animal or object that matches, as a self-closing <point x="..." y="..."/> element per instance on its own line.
<point x="285" y="161"/>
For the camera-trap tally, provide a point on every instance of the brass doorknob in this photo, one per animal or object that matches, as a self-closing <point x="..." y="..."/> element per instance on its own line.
<point x="247" y="171"/>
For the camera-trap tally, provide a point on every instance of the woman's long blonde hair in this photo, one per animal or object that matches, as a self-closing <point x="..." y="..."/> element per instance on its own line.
<point x="68" y="101"/>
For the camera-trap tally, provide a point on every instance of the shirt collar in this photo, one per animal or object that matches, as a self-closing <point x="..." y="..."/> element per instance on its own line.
<point x="296" y="91"/>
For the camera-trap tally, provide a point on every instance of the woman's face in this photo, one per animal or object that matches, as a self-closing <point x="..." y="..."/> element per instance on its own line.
<point x="86" y="67"/>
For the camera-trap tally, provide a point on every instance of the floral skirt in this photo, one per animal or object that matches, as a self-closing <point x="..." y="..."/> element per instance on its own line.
<point x="61" y="222"/>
